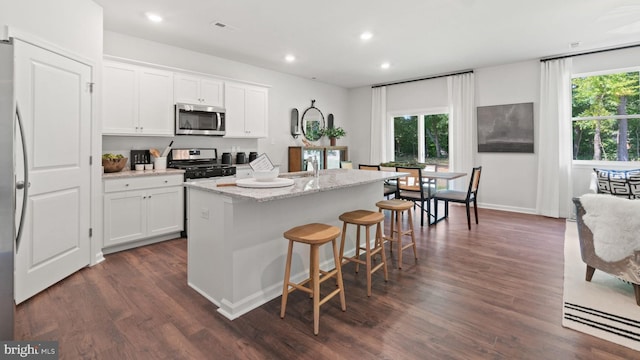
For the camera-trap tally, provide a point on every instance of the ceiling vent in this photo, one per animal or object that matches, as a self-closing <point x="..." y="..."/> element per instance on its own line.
<point x="221" y="26"/>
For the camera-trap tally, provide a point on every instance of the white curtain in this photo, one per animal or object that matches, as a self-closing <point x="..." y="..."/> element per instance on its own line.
<point x="461" y="127"/>
<point x="381" y="129"/>
<point x="555" y="150"/>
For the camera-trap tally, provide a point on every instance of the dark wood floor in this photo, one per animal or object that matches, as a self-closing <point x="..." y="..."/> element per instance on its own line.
<point x="494" y="292"/>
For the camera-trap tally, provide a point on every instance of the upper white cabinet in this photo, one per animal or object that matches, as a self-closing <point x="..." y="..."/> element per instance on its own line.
<point x="137" y="100"/>
<point x="247" y="109"/>
<point x="198" y="90"/>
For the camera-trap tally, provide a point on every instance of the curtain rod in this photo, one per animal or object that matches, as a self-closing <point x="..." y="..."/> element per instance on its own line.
<point x="589" y="52"/>
<point x="424" y="78"/>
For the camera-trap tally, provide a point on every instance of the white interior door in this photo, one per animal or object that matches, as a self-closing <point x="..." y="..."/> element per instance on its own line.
<point x="52" y="92"/>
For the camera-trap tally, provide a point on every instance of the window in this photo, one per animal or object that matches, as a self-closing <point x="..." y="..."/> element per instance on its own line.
<point x="422" y="138"/>
<point x="405" y="137"/>
<point x="606" y="116"/>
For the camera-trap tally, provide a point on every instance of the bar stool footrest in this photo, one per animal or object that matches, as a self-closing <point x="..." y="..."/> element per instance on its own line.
<point x="329" y="296"/>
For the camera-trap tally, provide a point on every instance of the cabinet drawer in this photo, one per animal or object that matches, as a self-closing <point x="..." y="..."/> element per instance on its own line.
<point x="144" y="182"/>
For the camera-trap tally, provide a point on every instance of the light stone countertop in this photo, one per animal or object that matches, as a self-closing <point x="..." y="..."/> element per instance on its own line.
<point x="304" y="183"/>
<point x="134" y="173"/>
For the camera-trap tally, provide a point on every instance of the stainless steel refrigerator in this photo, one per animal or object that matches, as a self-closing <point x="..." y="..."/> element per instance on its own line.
<point x="10" y="228"/>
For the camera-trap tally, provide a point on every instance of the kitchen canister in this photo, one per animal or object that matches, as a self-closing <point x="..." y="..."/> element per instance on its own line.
<point x="241" y="158"/>
<point x="252" y="156"/>
<point x="160" y="163"/>
<point x="226" y="158"/>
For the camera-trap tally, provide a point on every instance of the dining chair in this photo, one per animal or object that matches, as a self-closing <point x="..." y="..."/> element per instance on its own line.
<point x="369" y="167"/>
<point x="412" y="188"/>
<point x="389" y="187"/>
<point x="431" y="183"/>
<point x="461" y="197"/>
<point x="346" y="165"/>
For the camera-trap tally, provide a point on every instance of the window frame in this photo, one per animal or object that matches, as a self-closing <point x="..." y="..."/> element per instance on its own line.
<point x="420" y="113"/>
<point x="607" y="163"/>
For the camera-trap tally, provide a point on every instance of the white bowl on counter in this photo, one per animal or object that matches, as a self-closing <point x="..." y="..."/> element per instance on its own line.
<point x="268" y="175"/>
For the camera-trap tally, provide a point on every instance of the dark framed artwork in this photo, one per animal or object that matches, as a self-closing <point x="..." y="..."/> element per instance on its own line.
<point x="505" y="128"/>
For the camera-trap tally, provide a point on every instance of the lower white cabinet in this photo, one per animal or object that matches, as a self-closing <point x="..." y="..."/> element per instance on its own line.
<point x="140" y="208"/>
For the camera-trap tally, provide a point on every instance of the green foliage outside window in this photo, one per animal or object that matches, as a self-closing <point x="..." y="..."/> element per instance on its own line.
<point x="405" y="129"/>
<point x="596" y="99"/>
<point x="436" y="138"/>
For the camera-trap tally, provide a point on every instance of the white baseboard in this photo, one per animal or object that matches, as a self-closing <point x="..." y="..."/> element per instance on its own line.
<point x="135" y="244"/>
<point x="507" y="208"/>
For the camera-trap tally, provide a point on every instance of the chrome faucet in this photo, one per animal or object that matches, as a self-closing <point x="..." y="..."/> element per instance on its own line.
<point x="314" y="164"/>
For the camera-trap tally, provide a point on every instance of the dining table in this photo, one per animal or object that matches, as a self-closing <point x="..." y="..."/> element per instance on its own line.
<point x="430" y="178"/>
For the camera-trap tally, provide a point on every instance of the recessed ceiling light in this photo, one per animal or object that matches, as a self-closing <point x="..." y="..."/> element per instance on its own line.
<point x="385" y="65"/>
<point x="290" y="58"/>
<point x="366" y="35"/>
<point x="154" y="17"/>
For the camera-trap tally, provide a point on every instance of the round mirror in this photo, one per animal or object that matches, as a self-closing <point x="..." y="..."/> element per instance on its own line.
<point x="312" y="122"/>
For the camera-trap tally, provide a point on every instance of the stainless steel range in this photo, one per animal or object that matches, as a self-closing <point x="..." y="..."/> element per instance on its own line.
<point x="199" y="163"/>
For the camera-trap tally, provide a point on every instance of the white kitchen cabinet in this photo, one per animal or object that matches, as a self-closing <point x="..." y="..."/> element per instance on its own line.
<point x="137" y="100"/>
<point x="247" y="109"/>
<point x="198" y="90"/>
<point x="142" y="208"/>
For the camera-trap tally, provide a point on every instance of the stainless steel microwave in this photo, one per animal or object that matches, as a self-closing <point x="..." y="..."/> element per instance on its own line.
<point x="199" y="120"/>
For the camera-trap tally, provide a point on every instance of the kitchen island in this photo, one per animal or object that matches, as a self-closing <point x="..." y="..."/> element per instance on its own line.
<point x="236" y="251"/>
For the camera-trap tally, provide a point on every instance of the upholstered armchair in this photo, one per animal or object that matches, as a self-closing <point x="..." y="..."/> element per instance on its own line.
<point x="626" y="268"/>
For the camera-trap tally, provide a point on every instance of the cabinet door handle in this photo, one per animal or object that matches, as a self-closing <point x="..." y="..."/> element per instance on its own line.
<point x="126" y="184"/>
<point x="166" y="181"/>
<point x="149" y="196"/>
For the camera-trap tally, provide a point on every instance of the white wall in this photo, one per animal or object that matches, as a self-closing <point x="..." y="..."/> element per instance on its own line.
<point x="73" y="27"/>
<point x="509" y="180"/>
<point x="359" y="127"/>
<point x="418" y="95"/>
<point x="286" y="92"/>
<point x="503" y="175"/>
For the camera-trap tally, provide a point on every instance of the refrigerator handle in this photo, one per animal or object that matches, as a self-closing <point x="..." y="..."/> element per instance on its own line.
<point x="24" y="185"/>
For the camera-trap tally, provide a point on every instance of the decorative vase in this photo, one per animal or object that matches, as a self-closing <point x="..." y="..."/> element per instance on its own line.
<point x="332" y="141"/>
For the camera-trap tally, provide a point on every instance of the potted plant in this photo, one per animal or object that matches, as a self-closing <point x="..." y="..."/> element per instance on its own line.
<point x="333" y="134"/>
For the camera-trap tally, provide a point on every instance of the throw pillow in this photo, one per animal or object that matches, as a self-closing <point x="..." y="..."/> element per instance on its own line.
<point x="623" y="183"/>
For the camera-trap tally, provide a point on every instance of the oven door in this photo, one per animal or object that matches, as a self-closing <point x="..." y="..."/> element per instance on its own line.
<point x="199" y="120"/>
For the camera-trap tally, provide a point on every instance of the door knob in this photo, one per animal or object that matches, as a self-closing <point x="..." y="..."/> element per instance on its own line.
<point x="20" y="185"/>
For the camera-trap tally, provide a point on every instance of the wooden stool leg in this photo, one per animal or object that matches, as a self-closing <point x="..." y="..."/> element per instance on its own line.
<point x="393" y="219"/>
<point x="343" y="303"/>
<point x="285" y="286"/>
<point x="368" y="259"/>
<point x="357" y="247"/>
<point x="380" y="243"/>
<point x="399" y="219"/>
<point x="413" y="238"/>
<point x="311" y="272"/>
<point x="342" y="240"/>
<point x="316" y="288"/>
